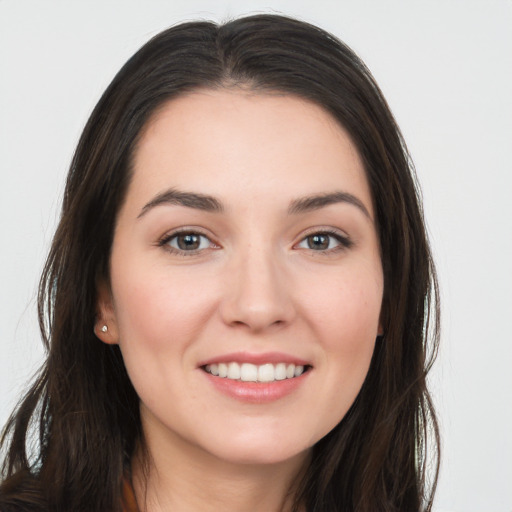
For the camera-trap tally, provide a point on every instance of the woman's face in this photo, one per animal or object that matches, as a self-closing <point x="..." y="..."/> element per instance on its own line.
<point x="246" y="245"/>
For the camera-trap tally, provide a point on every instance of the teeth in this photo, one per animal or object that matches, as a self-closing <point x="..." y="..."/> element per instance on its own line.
<point x="280" y="371"/>
<point x="266" y="373"/>
<point x="248" y="372"/>
<point x="299" y="370"/>
<point x="223" y="370"/>
<point x="233" y="371"/>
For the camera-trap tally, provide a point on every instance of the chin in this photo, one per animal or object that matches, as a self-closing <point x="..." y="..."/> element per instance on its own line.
<point x="260" y="452"/>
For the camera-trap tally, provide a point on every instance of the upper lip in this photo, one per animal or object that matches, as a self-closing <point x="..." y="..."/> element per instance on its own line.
<point x="256" y="359"/>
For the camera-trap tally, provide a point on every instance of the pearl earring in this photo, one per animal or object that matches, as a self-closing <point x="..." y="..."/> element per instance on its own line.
<point x="104" y="328"/>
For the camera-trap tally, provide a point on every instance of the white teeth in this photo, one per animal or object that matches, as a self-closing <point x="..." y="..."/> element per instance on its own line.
<point x="233" y="371"/>
<point x="248" y="372"/>
<point x="223" y="370"/>
<point x="280" y="371"/>
<point x="266" y="373"/>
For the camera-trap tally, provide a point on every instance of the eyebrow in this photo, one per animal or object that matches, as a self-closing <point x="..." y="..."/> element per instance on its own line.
<point x="188" y="199"/>
<point x="317" y="201"/>
<point x="211" y="204"/>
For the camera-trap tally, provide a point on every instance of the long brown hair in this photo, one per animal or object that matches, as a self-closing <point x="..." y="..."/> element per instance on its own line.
<point x="72" y="437"/>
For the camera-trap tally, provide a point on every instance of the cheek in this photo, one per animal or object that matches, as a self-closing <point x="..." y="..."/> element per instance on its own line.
<point x="346" y="309"/>
<point x="345" y="316"/>
<point x="158" y="315"/>
<point x="159" y="310"/>
<point x="357" y="323"/>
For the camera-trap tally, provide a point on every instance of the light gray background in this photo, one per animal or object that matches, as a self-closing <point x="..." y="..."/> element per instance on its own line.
<point x="445" y="67"/>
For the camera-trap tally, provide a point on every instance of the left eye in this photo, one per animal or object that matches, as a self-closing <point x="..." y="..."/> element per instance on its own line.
<point x="188" y="242"/>
<point x="323" y="242"/>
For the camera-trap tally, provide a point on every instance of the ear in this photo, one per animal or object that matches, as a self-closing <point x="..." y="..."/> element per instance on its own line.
<point x="105" y="325"/>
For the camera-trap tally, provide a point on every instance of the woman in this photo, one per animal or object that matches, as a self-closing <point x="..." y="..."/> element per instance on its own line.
<point x="239" y="294"/>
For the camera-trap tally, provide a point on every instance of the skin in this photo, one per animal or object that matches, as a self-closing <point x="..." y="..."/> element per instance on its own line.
<point x="255" y="284"/>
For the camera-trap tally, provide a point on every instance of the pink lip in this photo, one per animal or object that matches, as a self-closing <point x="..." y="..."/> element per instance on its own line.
<point x="256" y="392"/>
<point x="257" y="359"/>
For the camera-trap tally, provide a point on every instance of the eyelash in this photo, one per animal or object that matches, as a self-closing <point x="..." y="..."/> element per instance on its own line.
<point x="344" y="242"/>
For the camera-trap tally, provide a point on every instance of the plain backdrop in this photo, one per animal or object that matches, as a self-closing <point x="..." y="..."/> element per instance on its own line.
<point x="445" y="67"/>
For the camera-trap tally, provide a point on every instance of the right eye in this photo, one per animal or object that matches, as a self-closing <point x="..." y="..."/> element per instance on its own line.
<point x="325" y="242"/>
<point x="187" y="242"/>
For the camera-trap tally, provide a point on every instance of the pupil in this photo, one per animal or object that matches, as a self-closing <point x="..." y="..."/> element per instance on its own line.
<point x="318" y="242"/>
<point x="188" y="242"/>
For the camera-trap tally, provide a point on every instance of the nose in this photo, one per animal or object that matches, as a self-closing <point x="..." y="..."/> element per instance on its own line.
<point x="258" y="293"/>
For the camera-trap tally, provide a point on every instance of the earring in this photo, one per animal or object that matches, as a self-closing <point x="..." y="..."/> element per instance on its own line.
<point x="104" y="328"/>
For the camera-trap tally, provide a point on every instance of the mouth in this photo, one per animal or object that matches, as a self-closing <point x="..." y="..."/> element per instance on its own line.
<point x="248" y="372"/>
<point x="260" y="378"/>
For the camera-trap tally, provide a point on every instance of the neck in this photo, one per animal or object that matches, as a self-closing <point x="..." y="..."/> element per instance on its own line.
<point x="181" y="478"/>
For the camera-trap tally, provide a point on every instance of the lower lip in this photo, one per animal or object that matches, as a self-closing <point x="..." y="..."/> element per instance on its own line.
<point x="256" y="392"/>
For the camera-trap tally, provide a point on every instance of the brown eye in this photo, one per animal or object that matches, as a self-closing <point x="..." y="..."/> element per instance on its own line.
<point x="318" y="242"/>
<point x="323" y="241"/>
<point x="188" y="242"/>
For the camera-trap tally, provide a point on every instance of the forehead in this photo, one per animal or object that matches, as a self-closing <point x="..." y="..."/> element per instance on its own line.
<point x="223" y="141"/>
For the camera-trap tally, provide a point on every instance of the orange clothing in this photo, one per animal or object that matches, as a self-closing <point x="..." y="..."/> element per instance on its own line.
<point x="129" y="502"/>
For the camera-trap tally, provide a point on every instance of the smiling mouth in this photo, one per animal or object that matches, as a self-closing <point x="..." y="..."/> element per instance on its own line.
<point x="247" y="372"/>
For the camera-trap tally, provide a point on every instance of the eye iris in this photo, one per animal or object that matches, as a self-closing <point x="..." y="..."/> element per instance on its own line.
<point x="318" y="242"/>
<point x="188" y="242"/>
